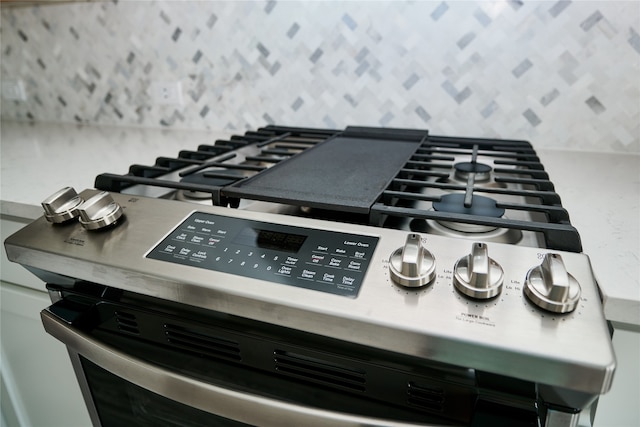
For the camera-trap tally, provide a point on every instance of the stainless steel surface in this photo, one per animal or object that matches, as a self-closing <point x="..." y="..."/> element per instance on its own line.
<point x="476" y="275"/>
<point x="235" y="405"/>
<point x="62" y="205"/>
<point x="99" y="211"/>
<point x="551" y="287"/>
<point x="561" y="419"/>
<point x="412" y="265"/>
<point x="504" y="334"/>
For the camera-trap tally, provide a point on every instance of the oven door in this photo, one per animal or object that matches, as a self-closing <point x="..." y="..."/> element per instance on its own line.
<point x="122" y="389"/>
<point x="130" y="374"/>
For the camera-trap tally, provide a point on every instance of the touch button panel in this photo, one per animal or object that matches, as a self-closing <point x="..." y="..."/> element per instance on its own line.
<point x="325" y="261"/>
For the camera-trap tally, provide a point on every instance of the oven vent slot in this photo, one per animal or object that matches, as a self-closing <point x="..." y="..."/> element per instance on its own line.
<point x="127" y="323"/>
<point x="204" y="345"/>
<point x="319" y="371"/>
<point x="430" y="398"/>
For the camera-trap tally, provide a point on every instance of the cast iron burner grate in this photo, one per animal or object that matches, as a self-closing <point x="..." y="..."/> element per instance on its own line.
<point x="526" y="188"/>
<point x="433" y="178"/>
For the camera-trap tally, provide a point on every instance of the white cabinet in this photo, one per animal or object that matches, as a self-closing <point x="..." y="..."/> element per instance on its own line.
<point x="37" y="377"/>
<point x="39" y="388"/>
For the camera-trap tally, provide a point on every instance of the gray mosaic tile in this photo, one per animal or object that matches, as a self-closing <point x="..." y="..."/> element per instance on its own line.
<point x="165" y="17"/>
<point x="634" y="40"/>
<point x="316" y="55"/>
<point x="466" y="39"/>
<point x="197" y="56"/>
<point x="549" y="97"/>
<point x="386" y="119"/>
<point x="349" y="22"/>
<point x="595" y="105"/>
<point x="269" y="6"/>
<point x="515" y="4"/>
<point x="439" y="11"/>
<point x="559" y="7"/>
<point x="422" y="113"/>
<point x="592" y="20"/>
<point x="482" y="17"/>
<point x="297" y="104"/>
<point x="347" y="97"/>
<point x="522" y="68"/>
<point x="489" y="109"/>
<point x="263" y="50"/>
<point x="293" y="30"/>
<point x="362" y="54"/>
<point x="211" y="21"/>
<point x="411" y="81"/>
<point x="362" y="68"/>
<point x="176" y="34"/>
<point x="532" y="117"/>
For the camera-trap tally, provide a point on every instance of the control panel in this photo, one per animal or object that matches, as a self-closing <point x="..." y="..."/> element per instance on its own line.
<point x="477" y="276"/>
<point x="326" y="261"/>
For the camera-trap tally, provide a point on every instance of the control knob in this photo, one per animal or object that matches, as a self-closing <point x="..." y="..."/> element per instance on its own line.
<point x="476" y="275"/>
<point x="62" y="205"/>
<point x="99" y="211"/>
<point x="412" y="265"/>
<point x="551" y="287"/>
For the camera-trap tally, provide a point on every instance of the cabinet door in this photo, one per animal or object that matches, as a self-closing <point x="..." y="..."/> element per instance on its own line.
<point x="39" y="385"/>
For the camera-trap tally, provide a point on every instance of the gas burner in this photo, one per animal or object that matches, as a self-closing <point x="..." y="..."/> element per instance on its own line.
<point x="480" y="207"/>
<point x="473" y="232"/>
<point x="210" y="177"/>
<point x="193" y="196"/>
<point x="482" y="173"/>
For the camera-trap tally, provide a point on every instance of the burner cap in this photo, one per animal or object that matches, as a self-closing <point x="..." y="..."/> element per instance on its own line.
<point x="470" y="167"/>
<point x="482" y="171"/>
<point x="480" y="206"/>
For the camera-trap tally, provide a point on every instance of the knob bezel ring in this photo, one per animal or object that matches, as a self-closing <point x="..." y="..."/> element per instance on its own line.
<point x="62" y="205"/>
<point x="426" y="276"/>
<point x="70" y="211"/>
<point x="462" y="284"/>
<point x="534" y="280"/>
<point x="114" y="214"/>
<point x="99" y="211"/>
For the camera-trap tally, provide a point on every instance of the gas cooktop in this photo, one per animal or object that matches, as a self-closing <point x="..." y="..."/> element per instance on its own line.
<point x="477" y="189"/>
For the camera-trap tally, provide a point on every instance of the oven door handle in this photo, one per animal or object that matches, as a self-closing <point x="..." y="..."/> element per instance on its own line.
<point x="242" y="407"/>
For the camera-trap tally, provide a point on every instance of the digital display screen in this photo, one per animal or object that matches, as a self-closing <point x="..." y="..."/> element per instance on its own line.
<point x="268" y="239"/>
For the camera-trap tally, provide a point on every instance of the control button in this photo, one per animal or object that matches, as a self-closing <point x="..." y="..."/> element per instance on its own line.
<point x="551" y="287"/>
<point x="412" y="265"/>
<point x="354" y="266"/>
<point x="62" y="205"/>
<point x="335" y="262"/>
<point x="308" y="274"/>
<point x="328" y="277"/>
<point x="476" y="275"/>
<point x="99" y="211"/>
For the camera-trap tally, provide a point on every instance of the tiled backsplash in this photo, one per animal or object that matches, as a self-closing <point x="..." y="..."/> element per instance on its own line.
<point x="557" y="73"/>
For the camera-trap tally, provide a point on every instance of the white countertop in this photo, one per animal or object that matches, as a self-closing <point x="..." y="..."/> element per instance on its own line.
<point x="601" y="191"/>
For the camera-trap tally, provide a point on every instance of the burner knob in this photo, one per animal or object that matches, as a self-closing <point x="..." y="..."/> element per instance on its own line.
<point x="551" y="287"/>
<point x="412" y="265"/>
<point x="99" y="211"/>
<point x="62" y="205"/>
<point x="476" y="275"/>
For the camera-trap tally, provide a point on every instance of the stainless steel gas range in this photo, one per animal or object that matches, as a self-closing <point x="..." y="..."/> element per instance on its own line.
<point x="293" y="276"/>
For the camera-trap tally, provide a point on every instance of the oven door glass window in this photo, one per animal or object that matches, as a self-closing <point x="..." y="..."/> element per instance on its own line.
<point x="120" y="403"/>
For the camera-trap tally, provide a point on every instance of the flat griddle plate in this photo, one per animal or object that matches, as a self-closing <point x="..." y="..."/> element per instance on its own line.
<point x="344" y="173"/>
